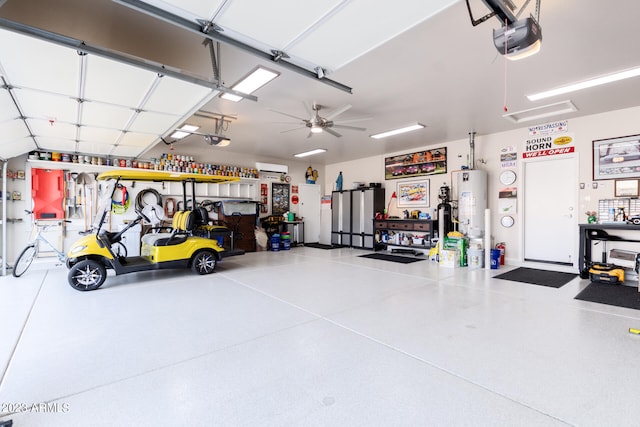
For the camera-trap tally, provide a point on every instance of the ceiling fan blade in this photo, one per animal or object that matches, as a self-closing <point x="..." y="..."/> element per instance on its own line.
<point x="360" y="119"/>
<point x="332" y="132"/>
<point x="338" y="111"/>
<point x="347" y="127"/>
<point x="289" y="130"/>
<point x="288" y="115"/>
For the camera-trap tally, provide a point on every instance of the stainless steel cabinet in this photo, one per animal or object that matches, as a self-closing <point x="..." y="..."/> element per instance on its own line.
<point x="352" y="214"/>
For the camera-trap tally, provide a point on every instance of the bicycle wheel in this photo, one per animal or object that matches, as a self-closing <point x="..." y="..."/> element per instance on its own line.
<point x="24" y="260"/>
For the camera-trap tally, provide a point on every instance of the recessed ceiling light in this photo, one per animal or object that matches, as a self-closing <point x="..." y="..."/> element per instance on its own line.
<point x="610" y="78"/>
<point x="310" y="153"/>
<point x="252" y="82"/>
<point x="183" y="131"/>
<point x="398" y="131"/>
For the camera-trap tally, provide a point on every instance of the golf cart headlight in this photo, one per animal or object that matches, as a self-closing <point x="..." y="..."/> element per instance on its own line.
<point x="78" y="249"/>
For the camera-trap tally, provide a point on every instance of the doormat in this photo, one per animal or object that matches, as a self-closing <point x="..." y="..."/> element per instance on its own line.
<point x="533" y="276"/>
<point x="320" y="246"/>
<point x="618" y="295"/>
<point x="392" y="258"/>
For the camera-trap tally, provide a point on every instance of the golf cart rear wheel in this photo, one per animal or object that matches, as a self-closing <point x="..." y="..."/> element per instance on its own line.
<point x="87" y="275"/>
<point x="204" y="262"/>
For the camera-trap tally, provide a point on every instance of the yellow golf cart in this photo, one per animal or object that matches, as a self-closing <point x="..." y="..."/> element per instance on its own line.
<point x="91" y="256"/>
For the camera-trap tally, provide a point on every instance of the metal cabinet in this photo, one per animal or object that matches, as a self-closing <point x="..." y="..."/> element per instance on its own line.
<point x="352" y="212"/>
<point x="341" y="218"/>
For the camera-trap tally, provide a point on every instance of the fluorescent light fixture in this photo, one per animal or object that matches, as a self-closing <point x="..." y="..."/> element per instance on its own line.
<point x="610" y="78"/>
<point x="544" y="111"/>
<point x="398" y="131"/>
<point x="310" y="153"/>
<point x="185" y="130"/>
<point x="252" y="82"/>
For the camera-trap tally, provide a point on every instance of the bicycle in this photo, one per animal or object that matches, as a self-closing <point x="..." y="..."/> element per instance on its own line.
<point x="26" y="257"/>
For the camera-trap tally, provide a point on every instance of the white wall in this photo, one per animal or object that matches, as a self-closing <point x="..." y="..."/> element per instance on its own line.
<point x="487" y="150"/>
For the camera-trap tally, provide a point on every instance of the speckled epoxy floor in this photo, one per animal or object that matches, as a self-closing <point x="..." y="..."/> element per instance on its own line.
<point x="313" y="337"/>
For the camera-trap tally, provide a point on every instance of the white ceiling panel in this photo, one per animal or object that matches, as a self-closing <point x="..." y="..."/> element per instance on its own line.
<point x="99" y="135"/>
<point x="359" y="28"/>
<point x="94" y="148"/>
<point x="12" y="130"/>
<point x="126" y="151"/>
<point x="8" y="109"/>
<point x="32" y="63"/>
<point x="153" y="123"/>
<point x="57" y="144"/>
<point x="49" y="106"/>
<point x="175" y="96"/>
<point x="189" y="9"/>
<point x="116" y="83"/>
<point x="56" y="130"/>
<point x="139" y="140"/>
<point x="105" y="115"/>
<point x="16" y="147"/>
<point x="275" y="23"/>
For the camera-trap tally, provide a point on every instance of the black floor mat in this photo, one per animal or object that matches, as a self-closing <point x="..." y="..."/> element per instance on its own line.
<point x="392" y="258"/>
<point x="533" y="276"/>
<point x="618" y="295"/>
<point x="320" y="246"/>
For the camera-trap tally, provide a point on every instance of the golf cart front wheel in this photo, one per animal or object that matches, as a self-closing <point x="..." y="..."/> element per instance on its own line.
<point x="204" y="262"/>
<point x="87" y="275"/>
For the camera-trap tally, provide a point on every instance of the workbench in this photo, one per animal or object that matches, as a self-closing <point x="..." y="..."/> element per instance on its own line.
<point x="607" y="232"/>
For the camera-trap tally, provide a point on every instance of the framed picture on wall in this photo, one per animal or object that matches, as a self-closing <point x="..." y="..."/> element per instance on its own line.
<point x="626" y="188"/>
<point x="279" y="198"/>
<point x="413" y="194"/>
<point x="420" y="163"/>
<point x="616" y="157"/>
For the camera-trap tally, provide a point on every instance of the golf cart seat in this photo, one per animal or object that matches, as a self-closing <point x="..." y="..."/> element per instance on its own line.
<point x="183" y="223"/>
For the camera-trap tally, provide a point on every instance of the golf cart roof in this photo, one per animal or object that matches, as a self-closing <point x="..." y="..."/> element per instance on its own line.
<point x="152" y="175"/>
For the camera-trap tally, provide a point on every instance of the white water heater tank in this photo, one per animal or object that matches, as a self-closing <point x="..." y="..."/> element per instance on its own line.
<point x="472" y="201"/>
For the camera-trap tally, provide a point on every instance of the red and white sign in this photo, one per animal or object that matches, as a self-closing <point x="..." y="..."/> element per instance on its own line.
<point x="542" y="146"/>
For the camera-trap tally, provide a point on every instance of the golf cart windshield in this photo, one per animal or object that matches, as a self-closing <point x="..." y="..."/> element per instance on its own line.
<point x="105" y="197"/>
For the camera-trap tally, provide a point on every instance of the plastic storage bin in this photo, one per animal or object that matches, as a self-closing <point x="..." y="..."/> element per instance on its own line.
<point x="275" y="242"/>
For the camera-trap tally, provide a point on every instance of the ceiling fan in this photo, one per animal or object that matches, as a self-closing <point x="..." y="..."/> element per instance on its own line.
<point x="318" y="123"/>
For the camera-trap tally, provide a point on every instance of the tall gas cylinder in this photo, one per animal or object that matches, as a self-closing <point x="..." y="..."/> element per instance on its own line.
<point x="472" y="201"/>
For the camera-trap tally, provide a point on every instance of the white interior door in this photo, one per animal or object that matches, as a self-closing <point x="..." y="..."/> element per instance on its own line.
<point x="550" y="220"/>
<point x="310" y="210"/>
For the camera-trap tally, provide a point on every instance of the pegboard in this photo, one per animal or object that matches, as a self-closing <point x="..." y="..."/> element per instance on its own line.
<point x="631" y="207"/>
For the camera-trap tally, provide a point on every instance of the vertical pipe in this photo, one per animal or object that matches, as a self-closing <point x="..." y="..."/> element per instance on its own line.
<point x="472" y="150"/>
<point x="487" y="239"/>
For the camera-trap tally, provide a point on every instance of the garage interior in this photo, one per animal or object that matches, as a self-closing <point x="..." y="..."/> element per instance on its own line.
<point x="310" y="336"/>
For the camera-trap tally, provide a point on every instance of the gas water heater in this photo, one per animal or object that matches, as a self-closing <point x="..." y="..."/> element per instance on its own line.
<point x="472" y="201"/>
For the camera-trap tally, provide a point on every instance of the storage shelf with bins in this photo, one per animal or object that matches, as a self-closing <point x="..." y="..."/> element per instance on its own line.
<point x="407" y="227"/>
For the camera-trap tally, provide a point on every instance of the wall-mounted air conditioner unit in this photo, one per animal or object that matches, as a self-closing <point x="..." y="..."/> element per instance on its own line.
<point x="271" y="167"/>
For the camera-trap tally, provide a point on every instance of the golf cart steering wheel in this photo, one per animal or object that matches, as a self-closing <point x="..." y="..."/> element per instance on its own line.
<point x="142" y="215"/>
